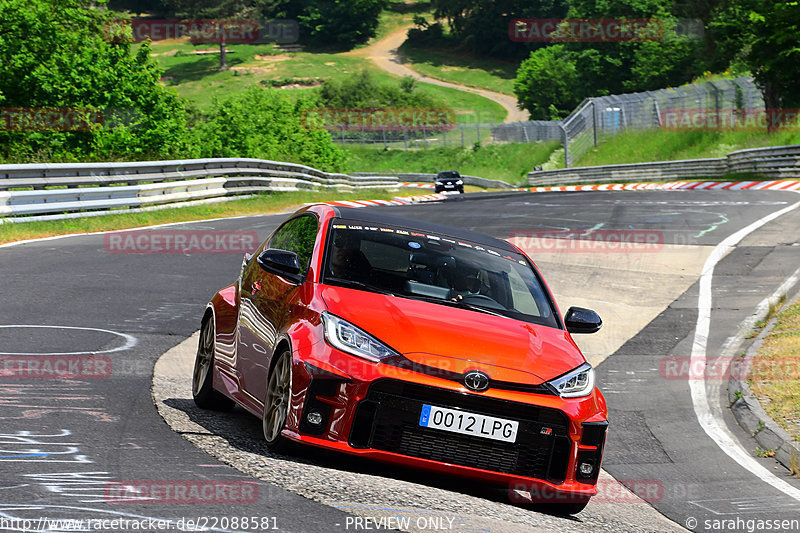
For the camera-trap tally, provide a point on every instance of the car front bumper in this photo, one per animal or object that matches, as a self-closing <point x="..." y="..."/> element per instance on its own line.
<point x="373" y="411"/>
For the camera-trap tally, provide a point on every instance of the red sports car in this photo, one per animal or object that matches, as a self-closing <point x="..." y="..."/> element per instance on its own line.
<point x="411" y="343"/>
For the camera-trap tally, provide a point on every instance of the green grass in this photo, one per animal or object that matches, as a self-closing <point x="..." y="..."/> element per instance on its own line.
<point x="507" y="162"/>
<point x="775" y="379"/>
<point x="198" y="79"/>
<point x="261" y="204"/>
<point x="465" y="69"/>
<point x="397" y="15"/>
<point x="657" y="145"/>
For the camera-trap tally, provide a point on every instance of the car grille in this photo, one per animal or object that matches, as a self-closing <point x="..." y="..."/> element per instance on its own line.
<point x="388" y="419"/>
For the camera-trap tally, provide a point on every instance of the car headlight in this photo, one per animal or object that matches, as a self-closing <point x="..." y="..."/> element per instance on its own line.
<point x="351" y="339"/>
<point x="578" y="382"/>
<point x="459" y="182"/>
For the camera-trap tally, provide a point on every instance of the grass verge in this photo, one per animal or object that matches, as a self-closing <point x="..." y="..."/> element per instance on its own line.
<point x="508" y="162"/>
<point x="276" y="202"/>
<point x="461" y="68"/>
<point x="775" y="376"/>
<point x="657" y="145"/>
<point x="198" y="78"/>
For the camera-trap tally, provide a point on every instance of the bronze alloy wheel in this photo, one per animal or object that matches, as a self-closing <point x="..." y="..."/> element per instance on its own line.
<point x="276" y="406"/>
<point x="203" y="376"/>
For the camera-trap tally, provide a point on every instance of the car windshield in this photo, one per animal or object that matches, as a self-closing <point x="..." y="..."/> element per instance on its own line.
<point x="436" y="268"/>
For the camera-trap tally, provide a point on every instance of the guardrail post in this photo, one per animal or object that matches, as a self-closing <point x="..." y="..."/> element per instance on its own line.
<point x="565" y="141"/>
<point x="594" y="121"/>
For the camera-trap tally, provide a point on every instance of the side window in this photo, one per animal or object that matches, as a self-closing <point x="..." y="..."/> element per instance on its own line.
<point x="298" y="236"/>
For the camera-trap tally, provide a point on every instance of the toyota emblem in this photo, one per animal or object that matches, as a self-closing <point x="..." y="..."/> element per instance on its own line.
<point x="476" y="380"/>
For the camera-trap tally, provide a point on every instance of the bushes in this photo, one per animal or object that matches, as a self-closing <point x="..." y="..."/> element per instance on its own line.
<point x="58" y="55"/>
<point x="264" y="124"/>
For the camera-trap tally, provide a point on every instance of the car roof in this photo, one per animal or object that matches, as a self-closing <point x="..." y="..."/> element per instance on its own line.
<point x="375" y="217"/>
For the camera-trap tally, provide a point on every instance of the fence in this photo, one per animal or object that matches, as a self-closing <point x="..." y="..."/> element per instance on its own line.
<point x="592" y="120"/>
<point x="463" y="135"/>
<point x="776" y="163"/>
<point x="604" y="116"/>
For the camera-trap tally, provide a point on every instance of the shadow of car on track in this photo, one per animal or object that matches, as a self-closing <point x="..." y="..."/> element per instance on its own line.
<point x="243" y="431"/>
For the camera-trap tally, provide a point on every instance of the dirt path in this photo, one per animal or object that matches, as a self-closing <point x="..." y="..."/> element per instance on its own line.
<point x="384" y="54"/>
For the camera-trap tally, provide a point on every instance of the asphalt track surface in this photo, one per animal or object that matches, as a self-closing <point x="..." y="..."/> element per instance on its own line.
<point x="68" y="445"/>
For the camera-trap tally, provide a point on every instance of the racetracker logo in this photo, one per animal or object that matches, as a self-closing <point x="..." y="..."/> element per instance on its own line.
<point x="608" y="491"/>
<point x="600" y="30"/>
<point x="588" y="241"/>
<point x="180" y="242"/>
<point x="55" y="367"/>
<point x="64" y="118"/>
<point x="728" y="368"/>
<point x="380" y="119"/>
<point x="205" y="31"/>
<point x="730" y="119"/>
<point x="182" y="492"/>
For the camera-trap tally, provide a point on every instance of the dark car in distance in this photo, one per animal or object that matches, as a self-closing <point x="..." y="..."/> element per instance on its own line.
<point x="449" y="180"/>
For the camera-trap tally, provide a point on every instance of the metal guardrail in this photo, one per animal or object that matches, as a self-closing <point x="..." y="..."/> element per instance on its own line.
<point x="780" y="162"/>
<point x="70" y="187"/>
<point x="429" y="178"/>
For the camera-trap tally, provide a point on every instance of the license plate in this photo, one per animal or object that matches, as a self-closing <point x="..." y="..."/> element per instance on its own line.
<point x="465" y="423"/>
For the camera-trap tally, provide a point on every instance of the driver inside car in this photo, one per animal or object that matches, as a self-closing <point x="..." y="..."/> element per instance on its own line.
<point x="348" y="261"/>
<point x="465" y="283"/>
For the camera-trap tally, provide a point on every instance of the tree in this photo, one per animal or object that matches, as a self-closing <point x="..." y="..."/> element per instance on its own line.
<point x="546" y="83"/>
<point x="266" y="124"/>
<point x="59" y="55"/>
<point x="774" y="56"/>
<point x="222" y="11"/>
<point x="339" y="23"/>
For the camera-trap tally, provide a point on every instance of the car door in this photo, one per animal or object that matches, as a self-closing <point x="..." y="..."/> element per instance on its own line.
<point x="264" y="303"/>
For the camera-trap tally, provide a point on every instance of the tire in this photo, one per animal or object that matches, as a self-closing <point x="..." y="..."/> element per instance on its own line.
<point x="205" y="397"/>
<point x="276" y="404"/>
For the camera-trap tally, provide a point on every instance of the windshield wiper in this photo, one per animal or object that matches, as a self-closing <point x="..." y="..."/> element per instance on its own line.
<point x="452" y="303"/>
<point x="359" y="285"/>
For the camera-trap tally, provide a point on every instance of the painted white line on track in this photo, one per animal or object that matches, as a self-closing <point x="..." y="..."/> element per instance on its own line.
<point x="130" y="340"/>
<point x="712" y="423"/>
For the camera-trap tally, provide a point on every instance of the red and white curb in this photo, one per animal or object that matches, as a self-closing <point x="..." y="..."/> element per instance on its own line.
<point x="396" y="201"/>
<point x="418" y="185"/>
<point x="784" y="185"/>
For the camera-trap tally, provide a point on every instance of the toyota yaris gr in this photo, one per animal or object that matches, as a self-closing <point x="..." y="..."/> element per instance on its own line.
<point x="411" y="343"/>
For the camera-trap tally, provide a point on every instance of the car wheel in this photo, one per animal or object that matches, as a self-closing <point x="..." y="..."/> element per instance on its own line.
<point x="461" y="190"/>
<point x="276" y="405"/>
<point x="203" y="391"/>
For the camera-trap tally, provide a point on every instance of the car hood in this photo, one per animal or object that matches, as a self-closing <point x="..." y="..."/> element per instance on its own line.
<point x="458" y="340"/>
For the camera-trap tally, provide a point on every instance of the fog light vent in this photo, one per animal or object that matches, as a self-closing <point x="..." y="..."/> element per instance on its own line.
<point x="314" y="418"/>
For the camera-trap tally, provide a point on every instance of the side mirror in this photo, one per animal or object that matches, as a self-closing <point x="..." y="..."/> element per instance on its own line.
<point x="580" y="320"/>
<point x="280" y="262"/>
